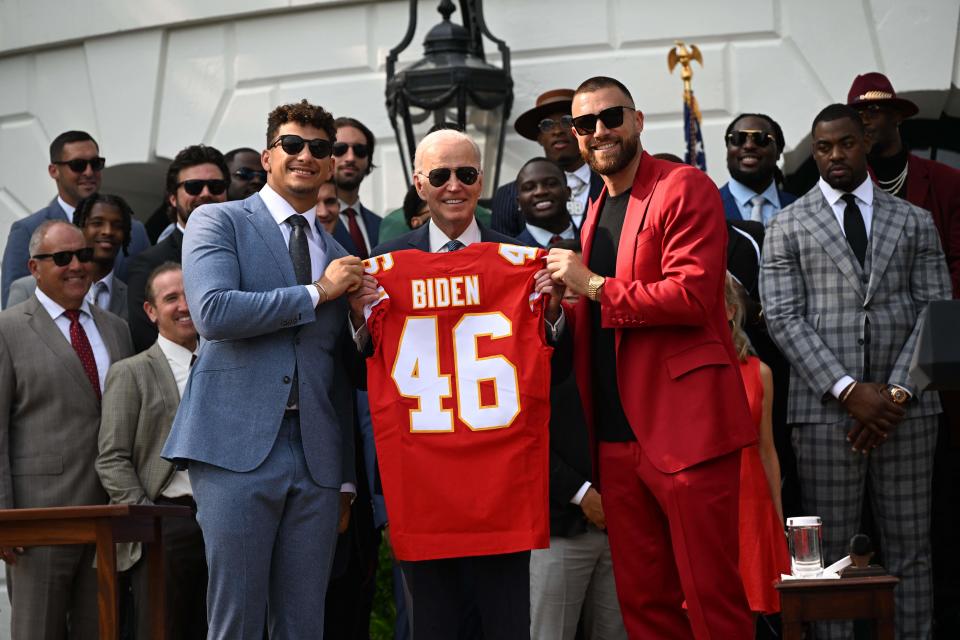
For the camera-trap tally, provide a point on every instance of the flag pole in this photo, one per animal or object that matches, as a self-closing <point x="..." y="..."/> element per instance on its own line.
<point x="683" y="55"/>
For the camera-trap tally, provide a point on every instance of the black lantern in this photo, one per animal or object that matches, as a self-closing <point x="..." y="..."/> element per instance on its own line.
<point x="451" y="85"/>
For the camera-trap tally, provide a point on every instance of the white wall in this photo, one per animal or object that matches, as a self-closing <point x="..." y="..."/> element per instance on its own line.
<point x="147" y="78"/>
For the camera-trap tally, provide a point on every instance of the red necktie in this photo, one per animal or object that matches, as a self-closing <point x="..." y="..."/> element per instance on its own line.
<point x="554" y="239"/>
<point x="356" y="234"/>
<point x="78" y="339"/>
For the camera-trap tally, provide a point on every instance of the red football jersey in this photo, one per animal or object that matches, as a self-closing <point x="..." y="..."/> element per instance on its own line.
<point x="459" y="388"/>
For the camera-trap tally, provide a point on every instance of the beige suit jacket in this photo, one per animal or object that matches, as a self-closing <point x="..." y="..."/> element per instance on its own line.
<point x="140" y="400"/>
<point x="49" y="412"/>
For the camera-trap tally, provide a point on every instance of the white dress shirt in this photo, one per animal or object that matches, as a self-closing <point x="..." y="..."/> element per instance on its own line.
<point x="864" y="196"/>
<point x="100" y="354"/>
<point x="542" y="236"/>
<point x="438" y="239"/>
<point x="578" y="203"/>
<point x="345" y="220"/>
<point x="67" y="208"/>
<point x="178" y="357"/>
<point x="743" y="196"/>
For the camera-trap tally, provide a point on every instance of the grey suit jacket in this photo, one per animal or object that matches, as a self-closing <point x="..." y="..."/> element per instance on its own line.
<point x="261" y="327"/>
<point x="831" y="318"/>
<point x="23" y="288"/>
<point x="140" y="400"/>
<point x="49" y="413"/>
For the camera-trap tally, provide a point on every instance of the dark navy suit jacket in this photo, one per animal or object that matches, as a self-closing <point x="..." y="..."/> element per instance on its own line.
<point x="419" y="238"/>
<point x="731" y="209"/>
<point x="370" y="220"/>
<point x="506" y="217"/>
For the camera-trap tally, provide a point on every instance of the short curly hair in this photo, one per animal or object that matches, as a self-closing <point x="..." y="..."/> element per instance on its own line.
<point x="195" y="154"/>
<point x="302" y="113"/>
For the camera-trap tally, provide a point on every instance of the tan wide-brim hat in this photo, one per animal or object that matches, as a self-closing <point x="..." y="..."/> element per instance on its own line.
<point x="547" y="104"/>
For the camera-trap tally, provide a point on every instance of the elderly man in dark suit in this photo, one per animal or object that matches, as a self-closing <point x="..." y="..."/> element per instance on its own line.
<point x="55" y="350"/>
<point x="848" y="271"/>
<point x="75" y="165"/>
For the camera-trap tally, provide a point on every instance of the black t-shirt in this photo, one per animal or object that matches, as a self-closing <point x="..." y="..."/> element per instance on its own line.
<point x="611" y="422"/>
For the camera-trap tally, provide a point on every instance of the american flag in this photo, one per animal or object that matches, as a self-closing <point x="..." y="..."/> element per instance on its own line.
<point x="691" y="133"/>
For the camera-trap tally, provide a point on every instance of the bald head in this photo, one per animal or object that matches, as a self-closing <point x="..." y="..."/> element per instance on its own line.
<point x="440" y="142"/>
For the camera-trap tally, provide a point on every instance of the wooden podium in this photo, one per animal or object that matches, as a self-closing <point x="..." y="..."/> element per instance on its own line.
<point x="843" y="599"/>
<point x="103" y="525"/>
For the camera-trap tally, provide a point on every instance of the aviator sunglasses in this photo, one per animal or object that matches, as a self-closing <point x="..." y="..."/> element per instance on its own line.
<point x="247" y="174"/>
<point x="611" y="117"/>
<point x="439" y="177"/>
<point x="63" y="258"/>
<point x="549" y="124"/>
<point x="359" y="149"/>
<point x="195" y="187"/>
<point x="739" y="138"/>
<point x="79" y="165"/>
<point x="292" y="144"/>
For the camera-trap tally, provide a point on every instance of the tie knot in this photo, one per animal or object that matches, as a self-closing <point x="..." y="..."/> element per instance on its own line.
<point x="758" y="200"/>
<point x="297" y="220"/>
<point x="849" y="198"/>
<point x="72" y="314"/>
<point x="350" y="212"/>
<point x="454" y="245"/>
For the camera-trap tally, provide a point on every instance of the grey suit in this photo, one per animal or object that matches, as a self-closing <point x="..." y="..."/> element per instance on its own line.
<point x="831" y="318"/>
<point x="266" y="539"/>
<point x="16" y="253"/>
<point x="23" y="288"/>
<point x="49" y="417"/>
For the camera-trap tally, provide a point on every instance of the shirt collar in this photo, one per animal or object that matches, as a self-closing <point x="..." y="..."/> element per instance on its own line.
<point x="744" y="194"/>
<point x="54" y="308"/>
<point x="583" y="173"/>
<point x="356" y="206"/>
<point x="173" y="351"/>
<point x="438" y="238"/>
<point x="107" y="281"/>
<point x="67" y="208"/>
<point x="863" y="192"/>
<point x="280" y="209"/>
<point x="542" y="236"/>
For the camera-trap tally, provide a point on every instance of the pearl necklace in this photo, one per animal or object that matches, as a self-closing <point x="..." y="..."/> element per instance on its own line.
<point x="894" y="185"/>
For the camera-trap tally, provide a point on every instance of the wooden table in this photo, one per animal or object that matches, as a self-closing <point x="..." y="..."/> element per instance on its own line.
<point x="103" y="525"/>
<point x="844" y="599"/>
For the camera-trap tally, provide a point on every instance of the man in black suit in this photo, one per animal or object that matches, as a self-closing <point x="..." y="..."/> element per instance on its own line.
<point x="198" y="175"/>
<point x="353" y="161"/>
<point x="548" y="123"/>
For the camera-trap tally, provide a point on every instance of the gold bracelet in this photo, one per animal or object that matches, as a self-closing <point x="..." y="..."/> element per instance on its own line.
<point x="321" y="291"/>
<point x="846" y="392"/>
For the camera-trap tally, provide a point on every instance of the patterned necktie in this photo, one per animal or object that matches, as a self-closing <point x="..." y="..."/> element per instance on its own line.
<point x="854" y="228"/>
<point x="554" y="239"/>
<point x="757" y="213"/>
<point x="574" y="205"/>
<point x="299" y="249"/>
<point x="454" y="245"/>
<point x="355" y="234"/>
<point x="80" y="344"/>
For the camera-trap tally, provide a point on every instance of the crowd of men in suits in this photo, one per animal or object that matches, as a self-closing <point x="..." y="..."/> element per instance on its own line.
<point x="112" y="390"/>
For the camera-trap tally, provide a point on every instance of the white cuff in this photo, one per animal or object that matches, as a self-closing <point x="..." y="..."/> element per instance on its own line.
<point x="360" y="334"/>
<point x="578" y="496"/>
<point x="840" y="385"/>
<point x="314" y="294"/>
<point x="348" y="487"/>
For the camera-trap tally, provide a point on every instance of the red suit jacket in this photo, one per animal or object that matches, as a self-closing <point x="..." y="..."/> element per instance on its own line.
<point x="935" y="187"/>
<point x="677" y="371"/>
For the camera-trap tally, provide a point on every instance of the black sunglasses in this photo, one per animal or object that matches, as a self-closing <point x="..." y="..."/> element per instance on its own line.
<point x="359" y="149"/>
<point x="740" y="137"/>
<point x="63" y="258"/>
<point x="79" y="165"/>
<point x="292" y="144"/>
<point x="611" y="117"/>
<point x="247" y="174"/>
<point x="466" y="175"/>
<point x="195" y="187"/>
<point x="548" y="124"/>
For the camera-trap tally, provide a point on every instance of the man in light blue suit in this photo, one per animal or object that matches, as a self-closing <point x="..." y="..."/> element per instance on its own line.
<point x="265" y="424"/>
<point x="75" y="165"/>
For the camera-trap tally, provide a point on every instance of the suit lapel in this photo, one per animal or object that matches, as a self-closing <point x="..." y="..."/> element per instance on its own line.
<point x="420" y="238"/>
<point x="261" y="219"/>
<point x="918" y="180"/>
<point x="635" y="219"/>
<point x="887" y="227"/>
<point x="161" y="369"/>
<point x="48" y="332"/>
<point x="118" y="297"/>
<point x="820" y="222"/>
<point x="110" y="338"/>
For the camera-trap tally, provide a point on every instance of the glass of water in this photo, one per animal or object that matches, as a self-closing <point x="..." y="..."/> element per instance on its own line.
<point x="804" y="535"/>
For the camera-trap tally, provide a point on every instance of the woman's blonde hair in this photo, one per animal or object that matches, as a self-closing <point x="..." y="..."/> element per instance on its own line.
<point x="734" y="299"/>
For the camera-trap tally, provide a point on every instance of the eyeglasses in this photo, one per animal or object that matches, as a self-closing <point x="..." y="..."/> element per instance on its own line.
<point x="63" y="258"/>
<point x="359" y="149"/>
<point x="292" y="144"/>
<point x="247" y="174"/>
<point x="79" y="165"/>
<point x="439" y="177"/>
<point x="759" y="138"/>
<point x="549" y="124"/>
<point x="195" y="187"/>
<point x="611" y="117"/>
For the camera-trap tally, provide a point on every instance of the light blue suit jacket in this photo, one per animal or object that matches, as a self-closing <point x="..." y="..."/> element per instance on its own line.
<point x="261" y="327"/>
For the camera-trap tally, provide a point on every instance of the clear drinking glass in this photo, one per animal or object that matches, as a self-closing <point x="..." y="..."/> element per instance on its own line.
<point x="806" y="543"/>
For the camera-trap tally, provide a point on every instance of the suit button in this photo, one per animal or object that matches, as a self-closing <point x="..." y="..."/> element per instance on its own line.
<point x="286" y="379"/>
<point x="860" y="342"/>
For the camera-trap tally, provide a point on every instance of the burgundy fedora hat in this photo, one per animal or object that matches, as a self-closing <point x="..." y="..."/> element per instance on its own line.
<point x="527" y="124"/>
<point x="875" y="88"/>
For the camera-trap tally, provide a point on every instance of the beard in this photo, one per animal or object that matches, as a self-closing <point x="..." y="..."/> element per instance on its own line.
<point x="349" y="184"/>
<point x="611" y="165"/>
<point x="184" y="211"/>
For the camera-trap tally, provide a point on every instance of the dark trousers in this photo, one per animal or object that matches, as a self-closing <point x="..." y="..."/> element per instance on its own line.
<point x="443" y="592"/>
<point x="185" y="578"/>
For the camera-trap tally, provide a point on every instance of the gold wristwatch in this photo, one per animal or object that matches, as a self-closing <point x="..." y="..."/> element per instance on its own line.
<point x="593" y="287"/>
<point x="898" y="395"/>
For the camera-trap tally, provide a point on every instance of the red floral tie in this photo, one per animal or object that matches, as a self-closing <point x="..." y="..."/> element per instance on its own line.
<point x="80" y="343"/>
